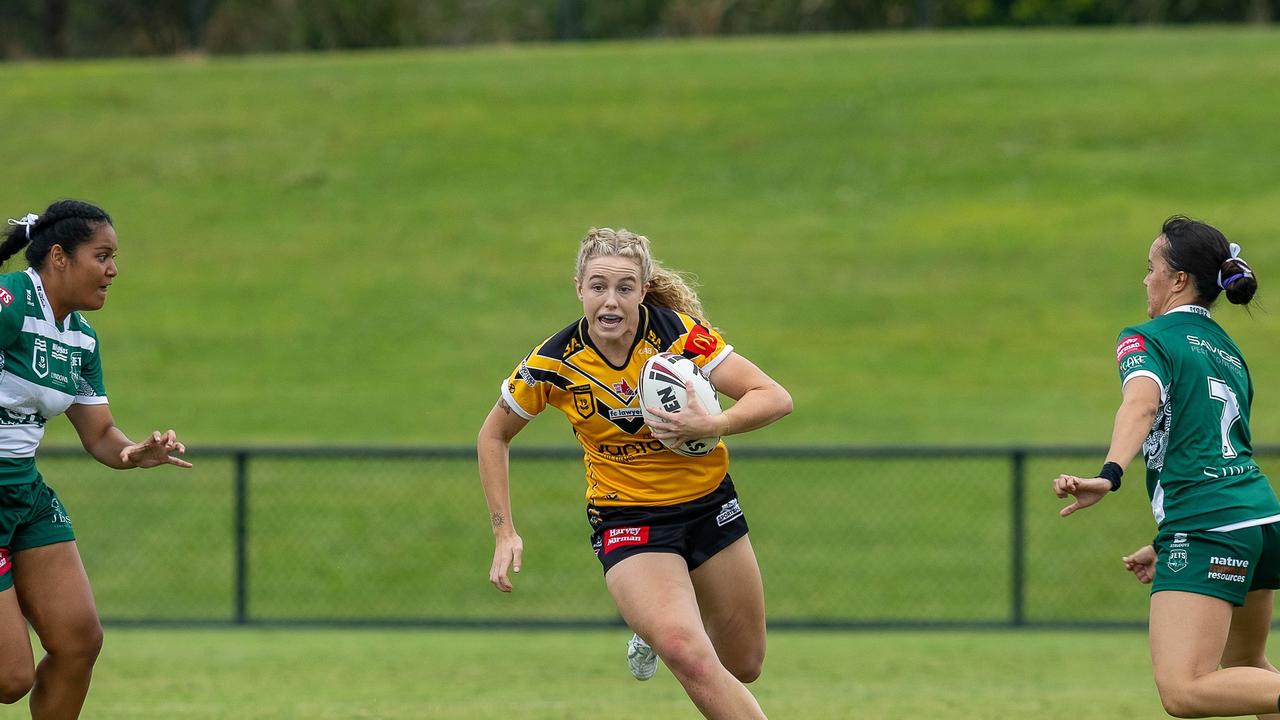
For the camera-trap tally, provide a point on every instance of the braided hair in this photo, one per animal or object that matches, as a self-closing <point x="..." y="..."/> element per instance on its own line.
<point x="66" y="222"/>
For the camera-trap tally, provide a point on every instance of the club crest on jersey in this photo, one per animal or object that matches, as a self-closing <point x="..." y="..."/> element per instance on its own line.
<point x="1177" y="560"/>
<point x="40" y="357"/>
<point x="583" y="401"/>
<point x="700" y="341"/>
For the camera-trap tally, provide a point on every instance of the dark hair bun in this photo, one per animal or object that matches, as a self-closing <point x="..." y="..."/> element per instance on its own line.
<point x="1238" y="281"/>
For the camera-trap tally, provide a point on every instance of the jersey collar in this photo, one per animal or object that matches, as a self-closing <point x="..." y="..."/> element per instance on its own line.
<point x="44" y="301"/>
<point x="642" y="330"/>
<point x="1197" y="309"/>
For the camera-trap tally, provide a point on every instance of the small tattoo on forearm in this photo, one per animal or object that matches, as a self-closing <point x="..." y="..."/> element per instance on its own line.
<point x="496" y="520"/>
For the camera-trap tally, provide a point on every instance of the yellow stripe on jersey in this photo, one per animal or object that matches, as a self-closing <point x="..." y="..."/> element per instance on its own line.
<point x="625" y="464"/>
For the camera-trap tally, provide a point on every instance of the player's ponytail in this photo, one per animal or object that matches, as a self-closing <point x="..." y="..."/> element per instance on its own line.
<point x="667" y="287"/>
<point x="18" y="236"/>
<point x="1214" y="264"/>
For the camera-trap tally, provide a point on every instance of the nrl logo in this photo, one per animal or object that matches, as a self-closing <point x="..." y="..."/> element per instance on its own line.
<point x="1177" y="560"/>
<point x="623" y="389"/>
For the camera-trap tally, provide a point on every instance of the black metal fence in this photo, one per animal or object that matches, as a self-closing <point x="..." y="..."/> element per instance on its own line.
<point x="846" y="537"/>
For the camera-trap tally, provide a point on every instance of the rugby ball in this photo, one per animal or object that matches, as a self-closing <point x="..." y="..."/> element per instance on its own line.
<point x="662" y="381"/>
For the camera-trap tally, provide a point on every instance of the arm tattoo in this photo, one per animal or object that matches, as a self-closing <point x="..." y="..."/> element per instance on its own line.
<point x="496" y="520"/>
<point x="502" y="403"/>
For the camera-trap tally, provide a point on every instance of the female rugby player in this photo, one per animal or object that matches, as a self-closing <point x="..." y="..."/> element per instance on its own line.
<point x="667" y="529"/>
<point x="49" y="364"/>
<point x="1215" y="562"/>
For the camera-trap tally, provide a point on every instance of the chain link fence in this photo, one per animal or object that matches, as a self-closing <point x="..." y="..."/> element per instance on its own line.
<point x="846" y="537"/>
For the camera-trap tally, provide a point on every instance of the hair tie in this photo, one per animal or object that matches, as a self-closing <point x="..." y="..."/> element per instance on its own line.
<point x="28" y="220"/>
<point x="1245" y="270"/>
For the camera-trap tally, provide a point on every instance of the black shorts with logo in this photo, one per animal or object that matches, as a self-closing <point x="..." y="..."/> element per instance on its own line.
<point x="694" y="530"/>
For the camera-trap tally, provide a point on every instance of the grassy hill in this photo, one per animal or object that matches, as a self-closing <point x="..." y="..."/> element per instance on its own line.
<point x="925" y="237"/>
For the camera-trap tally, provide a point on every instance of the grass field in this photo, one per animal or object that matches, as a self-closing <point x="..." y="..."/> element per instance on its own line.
<point x="926" y="237"/>
<point x="456" y="675"/>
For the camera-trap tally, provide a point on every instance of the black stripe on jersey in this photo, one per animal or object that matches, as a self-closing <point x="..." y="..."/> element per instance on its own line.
<point x="548" y="376"/>
<point x="562" y="344"/>
<point x="668" y="326"/>
<point x="613" y="393"/>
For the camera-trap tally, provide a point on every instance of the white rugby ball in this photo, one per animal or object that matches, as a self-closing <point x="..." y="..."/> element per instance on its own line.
<point x="662" y="382"/>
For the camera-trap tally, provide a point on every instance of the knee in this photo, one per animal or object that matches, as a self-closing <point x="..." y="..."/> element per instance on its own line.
<point x="688" y="656"/>
<point x="746" y="669"/>
<point x="82" y="642"/>
<point x="1177" y="701"/>
<point x="15" y="686"/>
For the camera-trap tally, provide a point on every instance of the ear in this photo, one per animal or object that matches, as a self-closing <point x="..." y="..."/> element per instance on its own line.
<point x="577" y="288"/>
<point x="58" y="258"/>
<point x="644" y="290"/>
<point x="1181" y="281"/>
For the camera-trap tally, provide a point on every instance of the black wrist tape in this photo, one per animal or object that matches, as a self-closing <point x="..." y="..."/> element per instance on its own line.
<point x="1113" y="472"/>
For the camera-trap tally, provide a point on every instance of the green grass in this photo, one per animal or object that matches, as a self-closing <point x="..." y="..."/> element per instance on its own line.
<point x="925" y="539"/>
<point x="457" y="675"/>
<point x="926" y="237"/>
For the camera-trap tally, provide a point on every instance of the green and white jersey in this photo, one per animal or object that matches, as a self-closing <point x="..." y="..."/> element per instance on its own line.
<point x="45" y="366"/>
<point x="1200" y="469"/>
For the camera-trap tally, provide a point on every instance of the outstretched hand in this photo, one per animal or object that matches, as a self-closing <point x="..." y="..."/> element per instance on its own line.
<point x="155" y="450"/>
<point x="1086" y="491"/>
<point x="1142" y="563"/>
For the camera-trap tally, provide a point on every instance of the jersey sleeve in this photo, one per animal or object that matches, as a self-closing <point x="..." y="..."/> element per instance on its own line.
<point x="705" y="346"/>
<point x="10" y="313"/>
<point x="527" y="389"/>
<point x="1138" y="356"/>
<point x="90" y="388"/>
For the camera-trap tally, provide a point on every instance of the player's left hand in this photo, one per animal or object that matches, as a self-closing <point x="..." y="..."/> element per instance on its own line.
<point x="692" y="423"/>
<point x="1086" y="491"/>
<point x="155" y="450"/>
<point x="1142" y="563"/>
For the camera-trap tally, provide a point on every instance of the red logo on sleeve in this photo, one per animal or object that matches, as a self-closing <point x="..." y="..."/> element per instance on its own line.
<point x="6" y="297"/>
<point x="5" y="565"/>
<point x="1130" y="345"/>
<point x="615" y="538"/>
<point x="701" y="341"/>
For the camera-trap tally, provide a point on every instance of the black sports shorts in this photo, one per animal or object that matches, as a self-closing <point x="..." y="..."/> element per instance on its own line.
<point x="694" y="530"/>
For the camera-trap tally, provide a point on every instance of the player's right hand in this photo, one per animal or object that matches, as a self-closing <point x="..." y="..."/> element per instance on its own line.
<point x="1142" y="563"/>
<point x="507" y="554"/>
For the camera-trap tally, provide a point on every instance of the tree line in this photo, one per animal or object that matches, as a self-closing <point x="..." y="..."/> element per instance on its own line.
<point x="86" y="28"/>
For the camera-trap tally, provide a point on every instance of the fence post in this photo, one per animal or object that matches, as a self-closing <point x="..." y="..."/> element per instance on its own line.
<point x="1017" y="512"/>
<point x="241" y="580"/>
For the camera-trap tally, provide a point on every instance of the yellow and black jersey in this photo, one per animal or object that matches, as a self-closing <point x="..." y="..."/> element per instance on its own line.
<point x="626" y="465"/>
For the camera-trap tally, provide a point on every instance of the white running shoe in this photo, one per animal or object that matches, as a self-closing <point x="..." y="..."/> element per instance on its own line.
<point x="641" y="659"/>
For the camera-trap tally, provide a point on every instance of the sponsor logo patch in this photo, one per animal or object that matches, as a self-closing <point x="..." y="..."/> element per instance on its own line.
<point x="5" y="565"/>
<point x="6" y="297"/>
<point x="1129" y="345"/>
<point x="1133" y="363"/>
<point x="615" y="538"/>
<point x="729" y="512"/>
<point x="623" y="389"/>
<point x="700" y="341"/>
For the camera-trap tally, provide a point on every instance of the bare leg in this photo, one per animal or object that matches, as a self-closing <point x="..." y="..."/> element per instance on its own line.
<point x="55" y="596"/>
<point x="731" y="599"/>
<point x="656" y="598"/>
<point x="1188" y="639"/>
<point x="17" y="671"/>
<point x="1247" y="639"/>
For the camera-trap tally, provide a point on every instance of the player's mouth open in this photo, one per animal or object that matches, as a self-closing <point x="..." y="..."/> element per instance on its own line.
<point x="609" y="321"/>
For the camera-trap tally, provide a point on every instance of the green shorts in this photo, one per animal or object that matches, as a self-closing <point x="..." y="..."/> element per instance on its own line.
<point x="1226" y="565"/>
<point x="31" y="515"/>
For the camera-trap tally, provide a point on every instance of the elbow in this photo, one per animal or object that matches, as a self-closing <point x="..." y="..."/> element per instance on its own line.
<point x="785" y="404"/>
